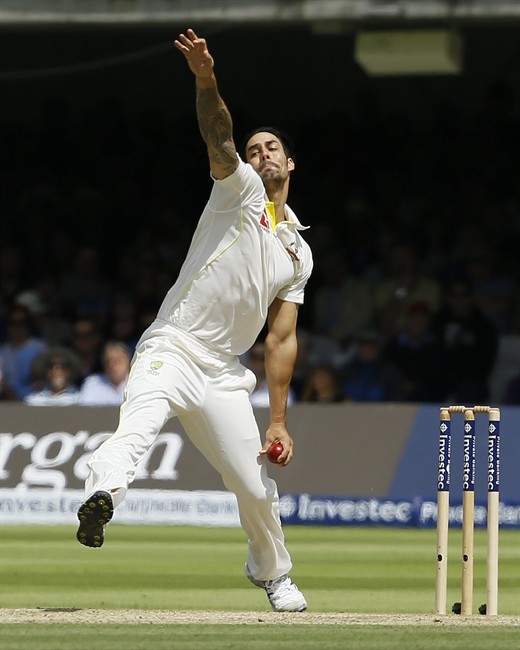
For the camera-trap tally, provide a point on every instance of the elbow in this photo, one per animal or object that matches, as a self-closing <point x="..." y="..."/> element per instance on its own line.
<point x="274" y="342"/>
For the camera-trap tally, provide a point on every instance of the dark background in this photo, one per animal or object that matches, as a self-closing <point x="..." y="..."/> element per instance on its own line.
<point x="267" y="73"/>
<point x="100" y="146"/>
<point x="108" y="86"/>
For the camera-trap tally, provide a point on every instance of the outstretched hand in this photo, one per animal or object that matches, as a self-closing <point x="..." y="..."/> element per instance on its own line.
<point x="197" y="54"/>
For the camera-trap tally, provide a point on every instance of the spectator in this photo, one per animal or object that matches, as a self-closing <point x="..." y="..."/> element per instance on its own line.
<point x="417" y="354"/>
<point x="86" y="343"/>
<point x="60" y="368"/>
<point x="122" y="321"/>
<point x="368" y="377"/>
<point x="507" y="364"/>
<point x="18" y="353"/>
<point x="302" y="365"/>
<point x="323" y="385"/>
<point x="146" y="313"/>
<point x="86" y="288"/>
<point x="403" y="285"/>
<point x="13" y="271"/>
<point x="469" y="343"/>
<point x="343" y="302"/>
<point x="493" y="289"/>
<point x="107" y="388"/>
<point x="43" y="303"/>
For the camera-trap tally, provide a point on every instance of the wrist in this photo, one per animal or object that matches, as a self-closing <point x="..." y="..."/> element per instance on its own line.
<point x="277" y="419"/>
<point x="206" y="82"/>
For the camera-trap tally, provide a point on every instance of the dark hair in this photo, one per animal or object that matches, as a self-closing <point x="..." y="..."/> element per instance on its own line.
<point x="65" y="354"/>
<point x="20" y="314"/>
<point x="286" y="140"/>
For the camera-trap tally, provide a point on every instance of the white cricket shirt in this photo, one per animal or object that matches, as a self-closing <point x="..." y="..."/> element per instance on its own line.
<point x="238" y="262"/>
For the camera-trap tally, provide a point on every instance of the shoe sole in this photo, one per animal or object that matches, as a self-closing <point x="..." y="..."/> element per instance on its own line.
<point x="93" y="516"/>
<point x="302" y="608"/>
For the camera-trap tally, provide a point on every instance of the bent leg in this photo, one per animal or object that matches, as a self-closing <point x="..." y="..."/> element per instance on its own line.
<point x="226" y="433"/>
<point x="161" y="381"/>
<point x="113" y="465"/>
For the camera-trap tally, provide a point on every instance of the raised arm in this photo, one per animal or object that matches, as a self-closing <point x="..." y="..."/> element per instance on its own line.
<point x="215" y="122"/>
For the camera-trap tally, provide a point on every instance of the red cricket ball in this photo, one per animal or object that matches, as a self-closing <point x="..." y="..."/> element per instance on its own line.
<point x="274" y="451"/>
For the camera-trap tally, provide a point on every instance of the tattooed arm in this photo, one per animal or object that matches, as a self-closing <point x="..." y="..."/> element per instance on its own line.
<point x="214" y="119"/>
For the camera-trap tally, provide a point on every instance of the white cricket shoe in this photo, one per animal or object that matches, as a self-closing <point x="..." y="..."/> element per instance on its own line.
<point x="283" y="594"/>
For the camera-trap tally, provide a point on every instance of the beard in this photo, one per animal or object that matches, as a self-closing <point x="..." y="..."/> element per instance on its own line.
<point x="272" y="175"/>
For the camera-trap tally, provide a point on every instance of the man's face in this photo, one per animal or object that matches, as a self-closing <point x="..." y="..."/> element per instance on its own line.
<point x="117" y="365"/>
<point x="265" y="153"/>
<point x="58" y="374"/>
<point x="85" y="337"/>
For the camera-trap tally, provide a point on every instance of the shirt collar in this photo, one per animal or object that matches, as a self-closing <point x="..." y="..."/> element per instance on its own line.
<point x="292" y="220"/>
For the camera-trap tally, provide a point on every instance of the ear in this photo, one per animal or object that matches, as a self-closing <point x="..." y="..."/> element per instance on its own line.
<point x="290" y="164"/>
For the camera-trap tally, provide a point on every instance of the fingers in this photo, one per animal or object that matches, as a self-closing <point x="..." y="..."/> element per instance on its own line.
<point x="187" y="44"/>
<point x="287" y="454"/>
<point x="285" y="457"/>
<point x="268" y="442"/>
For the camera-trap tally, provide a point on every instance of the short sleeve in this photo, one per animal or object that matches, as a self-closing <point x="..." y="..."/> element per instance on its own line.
<point x="244" y="185"/>
<point x="296" y="290"/>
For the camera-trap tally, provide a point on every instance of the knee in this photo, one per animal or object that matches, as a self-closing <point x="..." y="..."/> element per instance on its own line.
<point x="259" y="493"/>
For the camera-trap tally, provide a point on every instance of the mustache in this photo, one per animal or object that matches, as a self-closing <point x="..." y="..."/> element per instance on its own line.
<point x="266" y="164"/>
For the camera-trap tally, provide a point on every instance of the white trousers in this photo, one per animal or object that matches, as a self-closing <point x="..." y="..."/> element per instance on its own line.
<point x="174" y="374"/>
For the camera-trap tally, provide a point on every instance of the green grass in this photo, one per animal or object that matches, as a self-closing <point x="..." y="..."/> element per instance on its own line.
<point x="343" y="569"/>
<point x="254" y="637"/>
<point x="346" y="569"/>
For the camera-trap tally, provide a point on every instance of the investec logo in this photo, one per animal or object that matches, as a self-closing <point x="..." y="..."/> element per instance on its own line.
<point x="310" y="509"/>
<point x="493" y="475"/>
<point x="443" y="478"/>
<point x="468" y="463"/>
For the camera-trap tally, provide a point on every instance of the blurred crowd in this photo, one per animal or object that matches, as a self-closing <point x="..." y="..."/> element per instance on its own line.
<point x="415" y="230"/>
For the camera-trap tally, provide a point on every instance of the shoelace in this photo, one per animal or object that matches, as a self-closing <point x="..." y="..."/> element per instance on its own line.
<point x="271" y="586"/>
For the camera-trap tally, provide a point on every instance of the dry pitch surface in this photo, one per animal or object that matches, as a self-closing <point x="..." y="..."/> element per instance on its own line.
<point x="140" y="617"/>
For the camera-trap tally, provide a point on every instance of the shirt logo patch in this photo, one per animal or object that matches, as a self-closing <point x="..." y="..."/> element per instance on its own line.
<point x="155" y="366"/>
<point x="264" y="220"/>
<point x="293" y="251"/>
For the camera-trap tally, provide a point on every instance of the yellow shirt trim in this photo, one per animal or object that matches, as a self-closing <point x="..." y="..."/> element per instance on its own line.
<point x="269" y="205"/>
